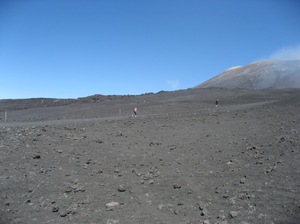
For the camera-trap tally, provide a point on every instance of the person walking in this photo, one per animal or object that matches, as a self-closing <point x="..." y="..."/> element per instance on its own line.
<point x="134" y="112"/>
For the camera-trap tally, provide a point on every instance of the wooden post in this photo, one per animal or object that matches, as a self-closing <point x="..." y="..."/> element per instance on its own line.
<point x="5" y="116"/>
<point x="120" y="112"/>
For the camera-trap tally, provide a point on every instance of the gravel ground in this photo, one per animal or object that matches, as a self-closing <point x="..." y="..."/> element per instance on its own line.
<point x="181" y="160"/>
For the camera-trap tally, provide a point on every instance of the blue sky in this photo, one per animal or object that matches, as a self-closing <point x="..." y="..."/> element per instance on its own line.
<point x="77" y="48"/>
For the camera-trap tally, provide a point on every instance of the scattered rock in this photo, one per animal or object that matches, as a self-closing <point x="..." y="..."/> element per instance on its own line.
<point x="204" y="212"/>
<point x="36" y="157"/>
<point x="233" y="214"/>
<point x="161" y="165"/>
<point x="64" y="213"/>
<point x="154" y="143"/>
<point x="151" y="182"/>
<point x="69" y="189"/>
<point x="201" y="206"/>
<point x="55" y="209"/>
<point x="243" y="180"/>
<point x="225" y="195"/>
<point x="160" y="206"/>
<point x="121" y="188"/>
<point x="110" y="206"/>
<point x="261" y="216"/>
<point x="78" y="189"/>
<point x="176" y="186"/>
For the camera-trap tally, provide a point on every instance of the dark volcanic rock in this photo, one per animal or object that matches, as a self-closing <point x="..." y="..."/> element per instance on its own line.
<point x="174" y="163"/>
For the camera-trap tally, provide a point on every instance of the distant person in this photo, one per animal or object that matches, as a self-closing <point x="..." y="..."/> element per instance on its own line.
<point x="134" y="112"/>
<point x="217" y="102"/>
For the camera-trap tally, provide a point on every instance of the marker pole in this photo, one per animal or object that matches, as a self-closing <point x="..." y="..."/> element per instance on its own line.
<point x="5" y="116"/>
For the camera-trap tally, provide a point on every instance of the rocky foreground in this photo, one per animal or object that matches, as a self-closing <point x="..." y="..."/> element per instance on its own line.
<point x="193" y="163"/>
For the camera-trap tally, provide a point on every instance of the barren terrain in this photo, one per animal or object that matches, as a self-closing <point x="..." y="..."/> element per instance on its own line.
<point x="181" y="160"/>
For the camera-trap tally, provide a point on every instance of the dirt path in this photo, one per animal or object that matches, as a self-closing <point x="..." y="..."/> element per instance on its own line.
<point x="223" y="108"/>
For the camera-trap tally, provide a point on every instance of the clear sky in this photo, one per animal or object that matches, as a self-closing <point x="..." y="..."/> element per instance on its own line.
<point x="77" y="48"/>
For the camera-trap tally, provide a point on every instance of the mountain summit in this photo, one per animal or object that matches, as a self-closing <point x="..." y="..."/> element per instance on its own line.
<point x="258" y="75"/>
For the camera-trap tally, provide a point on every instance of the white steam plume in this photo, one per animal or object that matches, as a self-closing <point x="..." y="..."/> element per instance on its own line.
<point x="174" y="84"/>
<point x="287" y="53"/>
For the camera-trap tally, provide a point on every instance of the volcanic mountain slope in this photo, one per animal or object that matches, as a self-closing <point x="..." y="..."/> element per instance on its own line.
<point x="259" y="75"/>
<point x="181" y="160"/>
